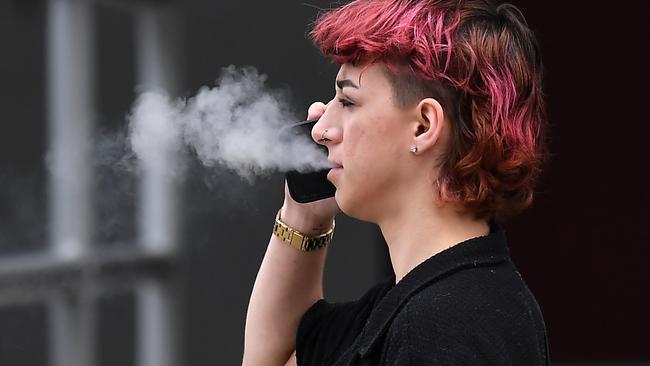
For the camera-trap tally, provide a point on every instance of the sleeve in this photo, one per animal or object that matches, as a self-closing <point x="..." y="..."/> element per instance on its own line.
<point x="327" y="329"/>
<point x="321" y="332"/>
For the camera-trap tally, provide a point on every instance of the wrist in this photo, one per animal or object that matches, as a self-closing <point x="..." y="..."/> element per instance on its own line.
<point x="305" y="221"/>
<point x="300" y="240"/>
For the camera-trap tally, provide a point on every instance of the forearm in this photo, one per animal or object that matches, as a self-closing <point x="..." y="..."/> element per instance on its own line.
<point x="288" y="283"/>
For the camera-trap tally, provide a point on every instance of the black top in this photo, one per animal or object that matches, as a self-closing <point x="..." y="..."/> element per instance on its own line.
<point x="467" y="305"/>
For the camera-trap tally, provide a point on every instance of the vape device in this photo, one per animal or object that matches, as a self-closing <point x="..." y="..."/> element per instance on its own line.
<point x="307" y="187"/>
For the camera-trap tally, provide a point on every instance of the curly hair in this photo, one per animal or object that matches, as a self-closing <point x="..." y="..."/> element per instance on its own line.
<point x="482" y="62"/>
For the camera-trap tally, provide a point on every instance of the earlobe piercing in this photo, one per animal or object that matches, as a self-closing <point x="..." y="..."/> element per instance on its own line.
<point x="414" y="149"/>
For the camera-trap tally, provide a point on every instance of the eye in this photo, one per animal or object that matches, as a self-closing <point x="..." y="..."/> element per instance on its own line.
<point x="345" y="103"/>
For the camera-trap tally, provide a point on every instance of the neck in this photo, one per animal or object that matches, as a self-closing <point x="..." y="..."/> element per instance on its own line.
<point x="422" y="229"/>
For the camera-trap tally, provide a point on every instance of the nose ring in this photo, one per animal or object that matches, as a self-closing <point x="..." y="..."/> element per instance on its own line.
<point x="323" y="137"/>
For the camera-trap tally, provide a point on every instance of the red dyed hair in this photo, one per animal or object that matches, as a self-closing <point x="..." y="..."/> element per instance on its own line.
<point x="482" y="63"/>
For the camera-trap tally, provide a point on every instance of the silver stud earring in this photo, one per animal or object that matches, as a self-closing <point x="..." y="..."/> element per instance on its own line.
<point x="414" y="149"/>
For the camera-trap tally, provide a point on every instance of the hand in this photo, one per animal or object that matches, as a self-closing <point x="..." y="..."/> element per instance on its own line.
<point x="313" y="217"/>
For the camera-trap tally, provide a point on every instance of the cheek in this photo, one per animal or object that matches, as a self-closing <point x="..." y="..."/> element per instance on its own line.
<point x="369" y="138"/>
<point x="353" y="141"/>
<point x="366" y="150"/>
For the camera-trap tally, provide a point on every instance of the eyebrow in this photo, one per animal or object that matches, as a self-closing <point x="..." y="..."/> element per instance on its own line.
<point x="345" y="82"/>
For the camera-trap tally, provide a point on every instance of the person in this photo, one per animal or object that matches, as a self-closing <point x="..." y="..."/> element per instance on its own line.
<point x="437" y="134"/>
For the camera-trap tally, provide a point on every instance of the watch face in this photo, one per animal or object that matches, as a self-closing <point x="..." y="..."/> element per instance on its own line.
<point x="308" y="187"/>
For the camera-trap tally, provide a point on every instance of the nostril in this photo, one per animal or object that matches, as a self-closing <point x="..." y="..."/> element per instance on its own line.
<point x="323" y="136"/>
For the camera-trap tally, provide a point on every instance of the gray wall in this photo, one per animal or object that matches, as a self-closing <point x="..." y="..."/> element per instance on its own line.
<point x="226" y="224"/>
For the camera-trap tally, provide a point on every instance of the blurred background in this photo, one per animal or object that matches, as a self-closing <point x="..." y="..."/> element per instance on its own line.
<point x="101" y="267"/>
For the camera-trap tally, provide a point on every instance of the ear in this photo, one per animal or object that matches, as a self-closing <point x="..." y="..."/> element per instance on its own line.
<point x="429" y="124"/>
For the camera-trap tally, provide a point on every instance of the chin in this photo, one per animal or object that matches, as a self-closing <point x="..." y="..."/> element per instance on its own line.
<point x="353" y="206"/>
<point x="342" y="202"/>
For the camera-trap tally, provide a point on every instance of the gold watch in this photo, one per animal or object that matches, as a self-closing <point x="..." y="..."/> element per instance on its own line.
<point x="299" y="240"/>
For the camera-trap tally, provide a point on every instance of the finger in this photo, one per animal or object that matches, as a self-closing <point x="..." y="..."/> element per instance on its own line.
<point x="316" y="110"/>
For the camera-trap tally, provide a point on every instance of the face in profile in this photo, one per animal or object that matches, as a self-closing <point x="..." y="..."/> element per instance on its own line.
<point x="369" y="136"/>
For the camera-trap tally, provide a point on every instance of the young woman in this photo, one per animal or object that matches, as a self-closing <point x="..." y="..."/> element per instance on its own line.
<point x="436" y="133"/>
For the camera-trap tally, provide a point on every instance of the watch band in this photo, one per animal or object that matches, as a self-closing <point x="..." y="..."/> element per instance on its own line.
<point x="299" y="240"/>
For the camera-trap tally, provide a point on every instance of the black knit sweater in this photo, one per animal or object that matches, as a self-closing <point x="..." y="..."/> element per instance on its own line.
<point x="467" y="305"/>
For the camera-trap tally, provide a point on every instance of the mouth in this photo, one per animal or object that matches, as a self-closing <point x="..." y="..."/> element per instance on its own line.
<point x="335" y="165"/>
<point x="335" y="169"/>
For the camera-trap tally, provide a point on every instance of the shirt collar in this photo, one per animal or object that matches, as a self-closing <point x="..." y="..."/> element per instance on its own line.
<point x="475" y="252"/>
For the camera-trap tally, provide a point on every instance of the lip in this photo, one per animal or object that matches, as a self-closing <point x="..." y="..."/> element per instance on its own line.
<point x="334" y="172"/>
<point x="334" y="164"/>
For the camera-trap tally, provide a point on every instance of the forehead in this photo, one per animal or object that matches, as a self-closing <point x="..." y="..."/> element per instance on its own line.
<point x="367" y="76"/>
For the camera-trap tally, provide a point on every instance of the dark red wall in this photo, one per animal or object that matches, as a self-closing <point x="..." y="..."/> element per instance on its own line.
<point x="584" y="249"/>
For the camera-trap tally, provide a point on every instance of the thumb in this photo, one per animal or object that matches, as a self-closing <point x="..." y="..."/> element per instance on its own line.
<point x="316" y="110"/>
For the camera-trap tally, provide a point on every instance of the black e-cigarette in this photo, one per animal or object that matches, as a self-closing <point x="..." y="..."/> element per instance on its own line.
<point x="307" y="187"/>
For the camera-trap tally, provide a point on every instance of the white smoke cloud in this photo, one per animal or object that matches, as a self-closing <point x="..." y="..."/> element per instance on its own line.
<point x="234" y="124"/>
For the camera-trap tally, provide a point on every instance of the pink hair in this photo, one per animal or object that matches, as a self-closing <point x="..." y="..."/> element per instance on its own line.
<point x="485" y="55"/>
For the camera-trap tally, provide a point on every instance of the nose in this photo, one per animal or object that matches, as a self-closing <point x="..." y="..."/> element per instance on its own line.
<point x="325" y="131"/>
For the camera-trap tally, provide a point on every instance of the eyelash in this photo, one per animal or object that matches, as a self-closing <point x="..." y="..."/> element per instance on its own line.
<point x="345" y="103"/>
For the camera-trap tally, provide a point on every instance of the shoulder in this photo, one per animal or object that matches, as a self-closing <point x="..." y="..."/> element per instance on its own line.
<point x="477" y="290"/>
<point x="327" y="329"/>
<point x="324" y="309"/>
<point x="481" y="315"/>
